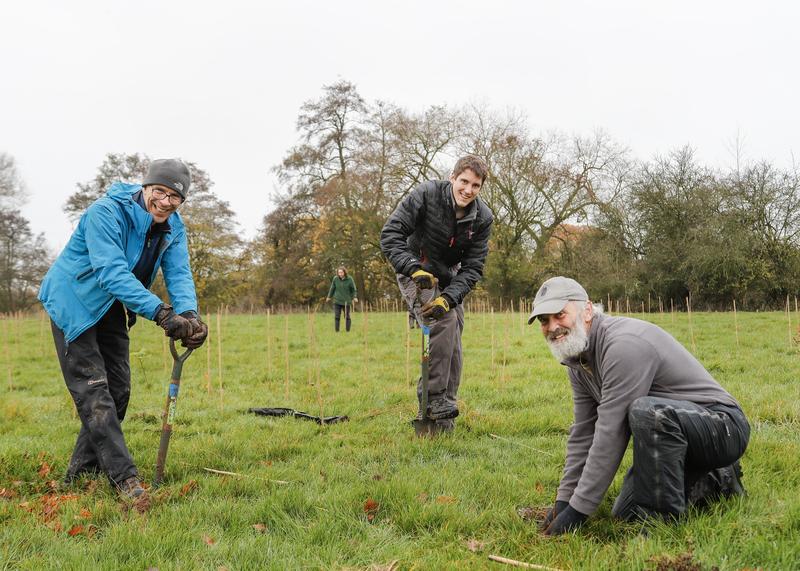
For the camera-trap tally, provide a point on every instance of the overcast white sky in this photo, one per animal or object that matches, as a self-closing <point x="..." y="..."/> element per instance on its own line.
<point x="221" y="83"/>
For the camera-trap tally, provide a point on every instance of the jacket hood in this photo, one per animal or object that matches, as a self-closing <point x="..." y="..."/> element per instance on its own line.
<point x="122" y="191"/>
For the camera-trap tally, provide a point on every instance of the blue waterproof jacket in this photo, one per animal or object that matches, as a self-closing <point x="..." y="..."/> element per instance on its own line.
<point x="95" y="267"/>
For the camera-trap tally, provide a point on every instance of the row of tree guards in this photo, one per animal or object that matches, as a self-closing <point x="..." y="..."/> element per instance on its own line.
<point x="277" y="322"/>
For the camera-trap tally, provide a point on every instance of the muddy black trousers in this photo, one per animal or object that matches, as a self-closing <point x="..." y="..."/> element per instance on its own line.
<point x="683" y="454"/>
<point x="97" y="372"/>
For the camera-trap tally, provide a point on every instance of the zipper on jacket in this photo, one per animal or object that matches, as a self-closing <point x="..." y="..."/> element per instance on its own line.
<point x="84" y="274"/>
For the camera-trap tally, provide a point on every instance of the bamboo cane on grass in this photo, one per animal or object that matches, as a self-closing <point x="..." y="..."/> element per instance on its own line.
<point x="691" y="329"/>
<point x="735" y="323"/>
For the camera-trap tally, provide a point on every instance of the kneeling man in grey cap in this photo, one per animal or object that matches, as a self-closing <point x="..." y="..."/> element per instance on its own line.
<point x="632" y="378"/>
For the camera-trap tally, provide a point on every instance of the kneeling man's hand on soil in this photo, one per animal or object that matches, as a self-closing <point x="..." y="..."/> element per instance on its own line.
<point x="566" y="520"/>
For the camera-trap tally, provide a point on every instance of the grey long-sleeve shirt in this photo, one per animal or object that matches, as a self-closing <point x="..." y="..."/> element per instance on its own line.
<point x="626" y="359"/>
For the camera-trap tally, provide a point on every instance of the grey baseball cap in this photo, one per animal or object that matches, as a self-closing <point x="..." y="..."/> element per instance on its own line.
<point x="554" y="294"/>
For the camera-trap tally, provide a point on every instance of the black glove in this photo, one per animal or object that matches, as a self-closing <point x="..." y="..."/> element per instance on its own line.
<point x="199" y="331"/>
<point x="566" y="520"/>
<point x="557" y="508"/>
<point x="424" y="280"/>
<point x="175" y="326"/>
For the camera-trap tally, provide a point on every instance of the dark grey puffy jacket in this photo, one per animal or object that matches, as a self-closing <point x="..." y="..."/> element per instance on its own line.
<point x="423" y="232"/>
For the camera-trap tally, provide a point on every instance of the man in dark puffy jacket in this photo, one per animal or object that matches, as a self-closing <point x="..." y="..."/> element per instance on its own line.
<point x="437" y="240"/>
<point x="93" y="292"/>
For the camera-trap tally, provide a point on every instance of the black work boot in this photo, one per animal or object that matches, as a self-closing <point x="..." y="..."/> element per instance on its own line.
<point x="725" y="482"/>
<point x="440" y="408"/>
<point x="131" y="488"/>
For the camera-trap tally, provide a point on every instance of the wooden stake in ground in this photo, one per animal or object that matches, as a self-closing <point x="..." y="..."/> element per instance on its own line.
<point x="366" y="343"/>
<point x="735" y="323"/>
<point x="408" y="351"/>
<point x="286" y="355"/>
<point x="789" y="319"/>
<point x="491" y="311"/>
<point x="269" y="345"/>
<point x="506" y="326"/>
<point x="671" y="310"/>
<point x="691" y="329"/>
<point x="41" y="331"/>
<point x="9" y="364"/>
<point x="208" y="366"/>
<point x="219" y="358"/>
<point x="164" y="352"/>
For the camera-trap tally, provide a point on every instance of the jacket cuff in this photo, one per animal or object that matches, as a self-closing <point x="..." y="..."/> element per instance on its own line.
<point x="585" y="507"/>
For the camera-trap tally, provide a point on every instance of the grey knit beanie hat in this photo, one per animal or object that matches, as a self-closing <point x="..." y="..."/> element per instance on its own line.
<point x="172" y="173"/>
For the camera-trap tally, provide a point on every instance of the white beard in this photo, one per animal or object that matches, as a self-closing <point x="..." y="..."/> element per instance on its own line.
<point x="571" y="345"/>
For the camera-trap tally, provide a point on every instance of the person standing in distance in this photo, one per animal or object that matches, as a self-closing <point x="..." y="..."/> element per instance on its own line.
<point x="343" y="292"/>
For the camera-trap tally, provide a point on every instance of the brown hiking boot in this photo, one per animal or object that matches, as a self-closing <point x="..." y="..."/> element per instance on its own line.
<point x="440" y="409"/>
<point x="131" y="488"/>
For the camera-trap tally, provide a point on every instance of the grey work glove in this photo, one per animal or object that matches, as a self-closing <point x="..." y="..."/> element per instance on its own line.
<point x="175" y="326"/>
<point x="199" y="331"/>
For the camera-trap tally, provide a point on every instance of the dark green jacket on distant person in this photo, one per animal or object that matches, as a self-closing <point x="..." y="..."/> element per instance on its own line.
<point x="343" y="290"/>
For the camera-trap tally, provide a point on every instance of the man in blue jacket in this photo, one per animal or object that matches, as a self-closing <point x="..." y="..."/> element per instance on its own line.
<point x="93" y="292"/>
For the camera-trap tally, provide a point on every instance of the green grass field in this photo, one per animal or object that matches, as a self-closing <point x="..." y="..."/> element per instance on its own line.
<point x="366" y="494"/>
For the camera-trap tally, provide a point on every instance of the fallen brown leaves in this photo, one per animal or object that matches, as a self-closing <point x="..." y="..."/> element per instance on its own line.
<point x="446" y="500"/>
<point x="533" y="513"/>
<point x="208" y="540"/>
<point x="44" y="470"/>
<point x="188" y="487"/>
<point x="371" y="509"/>
<point x="260" y="527"/>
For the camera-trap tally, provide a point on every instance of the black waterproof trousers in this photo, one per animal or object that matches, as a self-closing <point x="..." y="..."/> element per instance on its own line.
<point x="97" y="372"/>
<point x="337" y="308"/>
<point x="683" y="454"/>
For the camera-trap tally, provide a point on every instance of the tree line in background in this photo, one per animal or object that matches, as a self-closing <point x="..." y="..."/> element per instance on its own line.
<point x="668" y="228"/>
